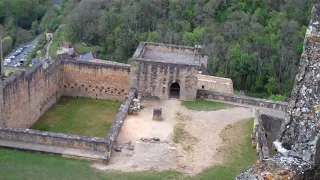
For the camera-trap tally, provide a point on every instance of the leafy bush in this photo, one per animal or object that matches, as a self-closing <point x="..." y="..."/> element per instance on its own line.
<point x="41" y="43"/>
<point x="276" y="97"/>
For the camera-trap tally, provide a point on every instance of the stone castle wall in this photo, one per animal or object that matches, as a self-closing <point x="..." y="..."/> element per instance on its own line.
<point x="155" y="79"/>
<point x="53" y="139"/>
<point x="95" y="80"/>
<point x="224" y="85"/>
<point x="29" y="94"/>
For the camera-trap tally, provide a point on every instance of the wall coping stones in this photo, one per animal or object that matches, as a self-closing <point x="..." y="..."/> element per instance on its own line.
<point x="260" y="137"/>
<point x="53" y="139"/>
<point x="118" y="122"/>
<point x="97" y="65"/>
<point x="52" y="134"/>
<point x="242" y="99"/>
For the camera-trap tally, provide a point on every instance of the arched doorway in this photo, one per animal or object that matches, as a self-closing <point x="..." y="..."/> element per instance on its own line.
<point x="175" y="90"/>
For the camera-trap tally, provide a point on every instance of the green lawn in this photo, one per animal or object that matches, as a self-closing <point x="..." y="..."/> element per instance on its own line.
<point x="81" y="48"/>
<point x="204" y="105"/>
<point x="33" y="166"/>
<point x="87" y="117"/>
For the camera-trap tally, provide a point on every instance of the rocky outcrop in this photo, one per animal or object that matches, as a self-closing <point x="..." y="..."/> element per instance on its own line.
<point x="298" y="142"/>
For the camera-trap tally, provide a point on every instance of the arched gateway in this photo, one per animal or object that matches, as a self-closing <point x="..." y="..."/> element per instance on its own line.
<point x="175" y="90"/>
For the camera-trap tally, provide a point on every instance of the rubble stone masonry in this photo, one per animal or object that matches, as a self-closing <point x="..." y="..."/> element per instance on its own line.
<point x="95" y="80"/>
<point x="27" y="95"/>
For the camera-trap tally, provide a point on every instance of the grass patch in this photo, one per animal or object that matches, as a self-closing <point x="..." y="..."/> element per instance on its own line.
<point x="87" y="117"/>
<point x="81" y="48"/>
<point x="16" y="165"/>
<point x="33" y="166"/>
<point x="203" y="105"/>
<point x="180" y="135"/>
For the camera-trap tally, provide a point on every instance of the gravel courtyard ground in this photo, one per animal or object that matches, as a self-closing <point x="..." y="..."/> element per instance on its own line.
<point x="190" y="140"/>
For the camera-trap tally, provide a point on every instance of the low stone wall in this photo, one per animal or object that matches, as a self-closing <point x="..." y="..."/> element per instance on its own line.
<point x="215" y="83"/>
<point x="259" y="138"/>
<point x="118" y="122"/>
<point x="53" y="139"/>
<point x="271" y="126"/>
<point x="282" y="106"/>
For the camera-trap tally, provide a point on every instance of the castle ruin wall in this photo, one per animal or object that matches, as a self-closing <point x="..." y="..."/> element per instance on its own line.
<point x="95" y="80"/>
<point x="29" y="94"/>
<point x="213" y="83"/>
<point x="155" y="79"/>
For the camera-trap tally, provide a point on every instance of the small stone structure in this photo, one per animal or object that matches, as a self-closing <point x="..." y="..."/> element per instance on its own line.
<point x="217" y="84"/>
<point x="157" y="114"/>
<point x="161" y="70"/>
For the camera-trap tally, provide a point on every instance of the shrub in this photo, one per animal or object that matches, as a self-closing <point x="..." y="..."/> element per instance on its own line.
<point x="276" y="97"/>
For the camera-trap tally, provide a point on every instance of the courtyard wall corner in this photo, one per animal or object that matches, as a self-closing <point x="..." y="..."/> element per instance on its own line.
<point x="118" y="122"/>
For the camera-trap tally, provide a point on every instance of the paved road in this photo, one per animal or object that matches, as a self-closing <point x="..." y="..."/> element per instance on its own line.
<point x="24" y="53"/>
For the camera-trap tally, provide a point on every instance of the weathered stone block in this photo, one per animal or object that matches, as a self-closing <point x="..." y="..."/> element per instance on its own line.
<point x="157" y="114"/>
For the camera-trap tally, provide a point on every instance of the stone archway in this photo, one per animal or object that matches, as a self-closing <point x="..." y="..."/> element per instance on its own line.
<point x="175" y="90"/>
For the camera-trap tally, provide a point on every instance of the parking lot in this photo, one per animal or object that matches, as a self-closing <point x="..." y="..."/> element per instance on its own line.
<point x="19" y="56"/>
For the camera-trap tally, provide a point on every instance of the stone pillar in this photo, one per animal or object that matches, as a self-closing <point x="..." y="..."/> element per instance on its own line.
<point x="157" y="114"/>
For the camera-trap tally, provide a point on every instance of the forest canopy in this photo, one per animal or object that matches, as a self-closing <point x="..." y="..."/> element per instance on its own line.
<point x="22" y="20"/>
<point x="257" y="43"/>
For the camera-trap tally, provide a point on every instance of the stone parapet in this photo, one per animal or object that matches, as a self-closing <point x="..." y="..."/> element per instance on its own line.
<point x="53" y="139"/>
<point x="242" y="99"/>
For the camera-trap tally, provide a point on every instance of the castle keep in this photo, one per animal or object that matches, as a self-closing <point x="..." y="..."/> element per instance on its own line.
<point x="166" y="71"/>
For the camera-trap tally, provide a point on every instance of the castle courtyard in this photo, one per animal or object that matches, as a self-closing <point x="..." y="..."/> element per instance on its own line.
<point x="185" y="140"/>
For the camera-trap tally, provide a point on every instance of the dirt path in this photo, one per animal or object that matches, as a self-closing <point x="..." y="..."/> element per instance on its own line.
<point x="191" y="155"/>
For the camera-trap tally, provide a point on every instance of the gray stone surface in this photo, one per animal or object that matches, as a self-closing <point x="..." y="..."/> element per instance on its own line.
<point x="155" y="67"/>
<point x="171" y="57"/>
<point x="298" y="140"/>
<point x="157" y="114"/>
<point x="53" y="139"/>
<point x="242" y="99"/>
<point x="64" y="151"/>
